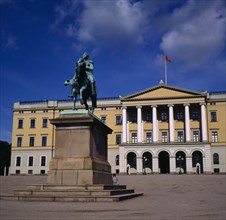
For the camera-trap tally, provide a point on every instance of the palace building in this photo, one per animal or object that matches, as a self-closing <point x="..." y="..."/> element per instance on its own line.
<point x="163" y="129"/>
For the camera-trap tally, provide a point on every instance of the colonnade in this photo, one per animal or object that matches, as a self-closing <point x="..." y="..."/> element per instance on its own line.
<point x="154" y="108"/>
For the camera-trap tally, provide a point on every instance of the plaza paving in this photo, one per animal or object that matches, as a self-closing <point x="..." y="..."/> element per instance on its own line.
<point x="166" y="197"/>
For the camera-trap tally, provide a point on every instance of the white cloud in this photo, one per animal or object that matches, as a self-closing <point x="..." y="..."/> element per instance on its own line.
<point x="104" y="22"/>
<point x="197" y="34"/>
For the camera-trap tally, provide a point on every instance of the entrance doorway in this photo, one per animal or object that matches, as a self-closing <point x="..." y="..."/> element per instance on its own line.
<point x="147" y="162"/>
<point x="181" y="162"/>
<point x="164" y="162"/>
<point x="197" y="161"/>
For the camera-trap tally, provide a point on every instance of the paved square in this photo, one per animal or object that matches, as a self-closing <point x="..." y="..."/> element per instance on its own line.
<point x="166" y="197"/>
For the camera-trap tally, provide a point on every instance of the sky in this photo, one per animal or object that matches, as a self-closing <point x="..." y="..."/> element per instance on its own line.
<point x="127" y="39"/>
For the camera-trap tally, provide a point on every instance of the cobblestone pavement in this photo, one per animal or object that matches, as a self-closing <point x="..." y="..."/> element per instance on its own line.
<point x="166" y="197"/>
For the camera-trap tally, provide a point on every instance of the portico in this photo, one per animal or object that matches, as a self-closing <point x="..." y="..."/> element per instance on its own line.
<point x="169" y="127"/>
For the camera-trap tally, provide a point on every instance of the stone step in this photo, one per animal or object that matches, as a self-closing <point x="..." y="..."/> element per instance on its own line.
<point x="115" y="198"/>
<point x="69" y="192"/>
<point x="75" y="187"/>
<point x="75" y="193"/>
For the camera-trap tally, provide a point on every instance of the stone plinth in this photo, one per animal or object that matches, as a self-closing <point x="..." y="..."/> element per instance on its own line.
<point x="80" y="150"/>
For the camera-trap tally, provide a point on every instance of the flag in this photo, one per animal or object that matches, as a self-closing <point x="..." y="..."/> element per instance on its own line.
<point x="168" y="59"/>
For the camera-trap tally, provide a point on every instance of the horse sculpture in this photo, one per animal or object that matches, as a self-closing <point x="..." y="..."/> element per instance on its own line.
<point x="81" y="85"/>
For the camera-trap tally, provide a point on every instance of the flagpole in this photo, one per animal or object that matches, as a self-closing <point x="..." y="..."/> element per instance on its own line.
<point x="165" y="71"/>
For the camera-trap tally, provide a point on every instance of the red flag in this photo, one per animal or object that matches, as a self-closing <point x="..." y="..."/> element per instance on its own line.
<point x="168" y="59"/>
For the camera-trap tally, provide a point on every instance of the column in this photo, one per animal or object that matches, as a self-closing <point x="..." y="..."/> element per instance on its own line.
<point x="189" y="165"/>
<point x="171" y="123"/>
<point x="139" y="124"/>
<point x="154" y="123"/>
<point x="187" y="123"/>
<point x="207" y="158"/>
<point x="172" y="164"/>
<point x="155" y="165"/>
<point x="139" y="165"/>
<point x="122" y="160"/>
<point x="203" y="122"/>
<point x="124" y="125"/>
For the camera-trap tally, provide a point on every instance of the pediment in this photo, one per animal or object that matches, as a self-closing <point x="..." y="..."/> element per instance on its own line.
<point x="162" y="92"/>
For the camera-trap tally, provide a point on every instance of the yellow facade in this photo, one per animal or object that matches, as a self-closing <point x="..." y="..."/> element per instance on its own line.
<point x="171" y="134"/>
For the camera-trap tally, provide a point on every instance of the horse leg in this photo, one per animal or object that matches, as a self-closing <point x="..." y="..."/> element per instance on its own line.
<point x="86" y="105"/>
<point x="94" y="102"/>
<point x="74" y="100"/>
<point x="81" y="96"/>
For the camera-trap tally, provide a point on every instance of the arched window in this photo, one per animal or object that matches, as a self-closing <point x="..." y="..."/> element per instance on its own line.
<point x="132" y="160"/>
<point x="216" y="158"/>
<point x="117" y="160"/>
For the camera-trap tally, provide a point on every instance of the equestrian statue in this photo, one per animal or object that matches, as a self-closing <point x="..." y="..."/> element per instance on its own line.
<point x="83" y="83"/>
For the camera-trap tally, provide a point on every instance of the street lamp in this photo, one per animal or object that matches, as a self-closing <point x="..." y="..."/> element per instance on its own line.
<point x="144" y="164"/>
<point x="180" y="159"/>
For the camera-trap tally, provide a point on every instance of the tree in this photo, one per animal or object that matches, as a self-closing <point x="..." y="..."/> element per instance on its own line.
<point x="5" y="156"/>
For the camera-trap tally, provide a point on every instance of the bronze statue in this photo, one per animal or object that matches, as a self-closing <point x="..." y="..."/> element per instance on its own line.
<point x="83" y="83"/>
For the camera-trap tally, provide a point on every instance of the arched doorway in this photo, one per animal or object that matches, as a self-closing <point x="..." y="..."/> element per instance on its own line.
<point x="197" y="161"/>
<point x="147" y="162"/>
<point x="164" y="162"/>
<point x="131" y="163"/>
<point x="181" y="162"/>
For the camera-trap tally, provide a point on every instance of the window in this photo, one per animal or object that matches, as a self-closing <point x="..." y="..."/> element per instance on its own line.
<point x="180" y="116"/>
<point x="117" y="160"/>
<point x="134" y="137"/>
<point x="180" y="136"/>
<point x="30" y="171"/>
<point x="44" y="122"/>
<point x="32" y="123"/>
<point x="164" y="136"/>
<point x="214" y="136"/>
<point x="43" y="160"/>
<point x="44" y="141"/>
<point x="216" y="158"/>
<point x="133" y="117"/>
<point x="42" y="172"/>
<point x="213" y="116"/>
<point x="32" y="141"/>
<point x="20" y="123"/>
<point x="118" y="119"/>
<point x="163" y="116"/>
<point x="148" y="137"/>
<point x="195" y="115"/>
<point x="30" y="161"/>
<point x="196" y="136"/>
<point x="149" y="117"/>
<point x="18" y="161"/>
<point x="118" y="138"/>
<point x="19" y="141"/>
<point x="103" y="119"/>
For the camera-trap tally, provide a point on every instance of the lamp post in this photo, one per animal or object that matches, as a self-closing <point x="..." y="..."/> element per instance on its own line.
<point x="144" y="165"/>
<point x="180" y="159"/>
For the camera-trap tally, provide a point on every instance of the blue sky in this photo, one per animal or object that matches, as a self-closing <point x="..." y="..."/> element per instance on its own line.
<point x="126" y="39"/>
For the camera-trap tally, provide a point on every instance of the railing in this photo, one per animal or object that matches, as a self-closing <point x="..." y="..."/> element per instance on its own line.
<point x="163" y="143"/>
<point x="65" y="100"/>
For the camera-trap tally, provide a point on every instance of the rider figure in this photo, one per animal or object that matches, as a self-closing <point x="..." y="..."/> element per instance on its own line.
<point x="86" y="65"/>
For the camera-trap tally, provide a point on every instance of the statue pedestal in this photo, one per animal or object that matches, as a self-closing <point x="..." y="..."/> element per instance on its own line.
<point x="80" y="150"/>
<point x="79" y="172"/>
